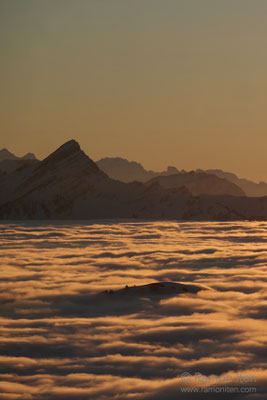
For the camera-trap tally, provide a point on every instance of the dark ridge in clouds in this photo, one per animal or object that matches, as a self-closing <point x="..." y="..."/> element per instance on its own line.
<point x="62" y="338"/>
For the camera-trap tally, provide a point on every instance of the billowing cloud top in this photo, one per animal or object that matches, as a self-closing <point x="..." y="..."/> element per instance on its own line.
<point x="63" y="338"/>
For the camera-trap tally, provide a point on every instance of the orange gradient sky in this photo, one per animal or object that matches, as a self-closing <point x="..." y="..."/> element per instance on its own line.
<point x="162" y="82"/>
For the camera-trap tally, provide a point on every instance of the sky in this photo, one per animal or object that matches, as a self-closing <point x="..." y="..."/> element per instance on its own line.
<point x="161" y="82"/>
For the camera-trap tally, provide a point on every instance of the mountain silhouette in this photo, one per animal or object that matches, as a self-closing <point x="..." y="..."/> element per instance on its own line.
<point x="250" y="188"/>
<point x="9" y="162"/>
<point x="69" y="185"/>
<point x="129" y="171"/>
<point x="200" y="184"/>
<point x="7" y="155"/>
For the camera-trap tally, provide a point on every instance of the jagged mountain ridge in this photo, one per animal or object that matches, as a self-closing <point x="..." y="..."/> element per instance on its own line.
<point x="196" y="183"/>
<point x="7" y="155"/>
<point x="9" y="162"/>
<point x="129" y="171"/>
<point x="126" y="171"/>
<point x="200" y="184"/>
<point x="51" y="186"/>
<point x="251" y="189"/>
<point x="69" y="185"/>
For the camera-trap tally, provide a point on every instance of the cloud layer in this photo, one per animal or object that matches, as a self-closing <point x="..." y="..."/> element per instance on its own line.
<point x="62" y="339"/>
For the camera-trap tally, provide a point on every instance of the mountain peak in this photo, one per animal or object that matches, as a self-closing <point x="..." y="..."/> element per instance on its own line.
<point x="69" y="157"/>
<point x="172" y="170"/>
<point x="69" y="148"/>
<point x="5" y="154"/>
<point x="71" y="142"/>
<point x="71" y="145"/>
<point x="29" y="156"/>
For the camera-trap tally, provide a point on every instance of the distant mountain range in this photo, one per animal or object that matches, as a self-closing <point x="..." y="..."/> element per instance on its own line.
<point x="9" y="162"/>
<point x="6" y="155"/>
<point x="128" y="171"/>
<point x="69" y="185"/>
<point x="250" y="188"/>
<point x="199" y="183"/>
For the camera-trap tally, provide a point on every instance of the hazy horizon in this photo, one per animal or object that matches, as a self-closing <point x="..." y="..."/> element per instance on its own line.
<point x="178" y="83"/>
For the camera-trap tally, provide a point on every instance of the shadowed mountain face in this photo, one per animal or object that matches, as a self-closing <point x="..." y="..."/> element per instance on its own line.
<point x="50" y="188"/>
<point x="69" y="185"/>
<point x="200" y="184"/>
<point x="7" y="166"/>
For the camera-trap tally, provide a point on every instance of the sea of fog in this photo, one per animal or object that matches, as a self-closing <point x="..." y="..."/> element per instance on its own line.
<point x="61" y="338"/>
